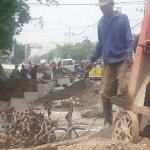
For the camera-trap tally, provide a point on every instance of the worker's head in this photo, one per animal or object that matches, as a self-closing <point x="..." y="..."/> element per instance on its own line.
<point x="106" y="7"/>
<point x="22" y="66"/>
<point x="16" y="66"/>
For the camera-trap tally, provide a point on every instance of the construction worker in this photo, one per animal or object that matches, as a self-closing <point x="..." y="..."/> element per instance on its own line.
<point x="115" y="46"/>
<point x="15" y="72"/>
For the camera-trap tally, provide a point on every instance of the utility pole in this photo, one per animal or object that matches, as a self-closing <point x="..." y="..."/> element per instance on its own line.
<point x="87" y="46"/>
<point x="26" y="46"/>
<point x="69" y="35"/>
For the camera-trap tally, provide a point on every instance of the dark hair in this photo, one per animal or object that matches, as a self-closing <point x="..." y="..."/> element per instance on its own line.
<point x="16" y="66"/>
<point x="22" y="66"/>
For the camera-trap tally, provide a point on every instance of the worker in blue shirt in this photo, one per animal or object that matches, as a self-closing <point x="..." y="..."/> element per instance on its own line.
<point x="115" y="46"/>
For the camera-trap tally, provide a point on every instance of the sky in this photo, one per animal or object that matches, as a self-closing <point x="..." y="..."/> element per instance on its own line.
<point x="78" y="18"/>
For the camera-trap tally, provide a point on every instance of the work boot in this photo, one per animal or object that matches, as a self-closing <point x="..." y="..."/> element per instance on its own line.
<point x="108" y="114"/>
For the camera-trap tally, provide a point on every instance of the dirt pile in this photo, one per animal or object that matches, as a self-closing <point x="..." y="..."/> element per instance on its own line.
<point x="101" y="144"/>
<point x="77" y="89"/>
<point x="61" y="72"/>
<point x="91" y="98"/>
<point x="42" y="67"/>
<point x="14" y="88"/>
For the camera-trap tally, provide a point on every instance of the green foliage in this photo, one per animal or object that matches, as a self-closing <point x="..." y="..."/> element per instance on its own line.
<point x="19" y="53"/>
<point x="13" y="15"/>
<point x="79" y="51"/>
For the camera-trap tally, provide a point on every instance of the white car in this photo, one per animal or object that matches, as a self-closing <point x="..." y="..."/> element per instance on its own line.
<point x="67" y="63"/>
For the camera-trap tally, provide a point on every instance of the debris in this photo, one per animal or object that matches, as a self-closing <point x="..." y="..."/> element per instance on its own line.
<point x="88" y="114"/>
<point x="97" y="111"/>
<point x="63" y="72"/>
<point x="25" y="128"/>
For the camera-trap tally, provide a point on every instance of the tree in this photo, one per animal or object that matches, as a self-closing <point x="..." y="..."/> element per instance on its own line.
<point x="79" y="51"/>
<point x="14" y="14"/>
<point x="19" y="53"/>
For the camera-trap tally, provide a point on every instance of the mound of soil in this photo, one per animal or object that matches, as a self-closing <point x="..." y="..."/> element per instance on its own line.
<point x="77" y="89"/>
<point x="101" y="144"/>
<point x="91" y="98"/>
<point x="61" y="72"/>
<point x="42" y="67"/>
<point x="14" y="88"/>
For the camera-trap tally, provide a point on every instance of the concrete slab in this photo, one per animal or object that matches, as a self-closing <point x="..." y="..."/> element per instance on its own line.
<point x="30" y="96"/>
<point x="62" y="81"/>
<point x="50" y="86"/>
<point x="42" y="90"/>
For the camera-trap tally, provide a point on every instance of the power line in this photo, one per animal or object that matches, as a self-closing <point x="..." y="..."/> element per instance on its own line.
<point x="136" y="25"/>
<point x="85" y="4"/>
<point x="87" y="29"/>
<point x="57" y="29"/>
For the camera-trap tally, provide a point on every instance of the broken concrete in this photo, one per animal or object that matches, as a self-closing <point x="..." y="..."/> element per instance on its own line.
<point x="88" y="114"/>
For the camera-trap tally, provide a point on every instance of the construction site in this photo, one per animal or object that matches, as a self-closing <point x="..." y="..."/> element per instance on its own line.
<point x="47" y="106"/>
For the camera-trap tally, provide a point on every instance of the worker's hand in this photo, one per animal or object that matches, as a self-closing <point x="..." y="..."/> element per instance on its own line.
<point x="129" y="61"/>
<point x="89" y="66"/>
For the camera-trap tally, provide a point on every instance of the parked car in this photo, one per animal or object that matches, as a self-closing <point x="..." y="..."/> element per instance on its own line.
<point x="67" y="63"/>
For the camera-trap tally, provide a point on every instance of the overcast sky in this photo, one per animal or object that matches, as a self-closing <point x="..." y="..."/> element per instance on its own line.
<point x="77" y="16"/>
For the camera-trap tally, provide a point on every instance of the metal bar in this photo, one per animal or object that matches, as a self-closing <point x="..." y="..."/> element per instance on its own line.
<point x="129" y="105"/>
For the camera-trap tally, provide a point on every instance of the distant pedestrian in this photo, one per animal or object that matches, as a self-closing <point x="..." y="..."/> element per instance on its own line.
<point x="16" y="73"/>
<point x="24" y="72"/>
<point x="33" y="72"/>
<point x="54" y="66"/>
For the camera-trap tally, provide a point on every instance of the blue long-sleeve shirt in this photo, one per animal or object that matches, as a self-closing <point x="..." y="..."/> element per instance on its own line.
<point x="115" y="40"/>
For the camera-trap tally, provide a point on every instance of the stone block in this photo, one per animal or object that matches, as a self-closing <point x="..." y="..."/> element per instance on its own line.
<point x="98" y="109"/>
<point x="42" y="90"/>
<point x="30" y="96"/>
<point x="50" y="86"/>
<point x="62" y="81"/>
<point x="88" y="114"/>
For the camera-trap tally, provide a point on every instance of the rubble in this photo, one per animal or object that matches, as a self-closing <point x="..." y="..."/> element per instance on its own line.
<point x="64" y="72"/>
<point x="97" y="111"/>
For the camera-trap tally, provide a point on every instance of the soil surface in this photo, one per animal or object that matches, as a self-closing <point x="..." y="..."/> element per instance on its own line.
<point x="101" y="144"/>
<point x="61" y="72"/>
<point x="42" y="67"/>
<point x="77" y="89"/>
<point x="90" y="99"/>
<point x="14" y="88"/>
